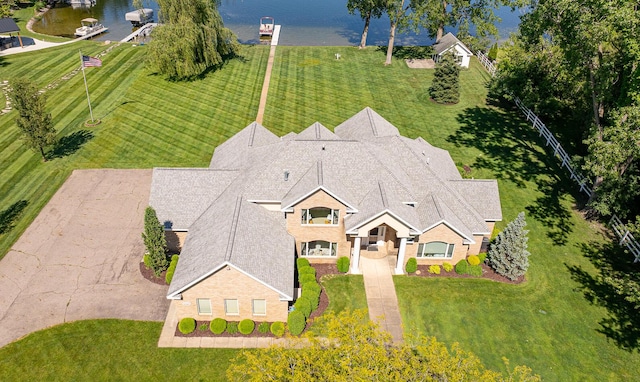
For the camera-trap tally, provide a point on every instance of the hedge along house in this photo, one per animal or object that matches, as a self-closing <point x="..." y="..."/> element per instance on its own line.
<point x="364" y="190"/>
<point x="450" y="43"/>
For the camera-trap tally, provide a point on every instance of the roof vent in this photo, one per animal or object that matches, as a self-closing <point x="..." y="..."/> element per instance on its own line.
<point x="428" y="160"/>
<point x="323" y="147"/>
<point x="422" y="152"/>
<point x="286" y="175"/>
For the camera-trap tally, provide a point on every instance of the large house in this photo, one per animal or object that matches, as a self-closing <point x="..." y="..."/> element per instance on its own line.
<point x="363" y="190"/>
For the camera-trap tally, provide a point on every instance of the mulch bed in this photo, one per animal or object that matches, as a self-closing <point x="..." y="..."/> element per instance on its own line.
<point x="487" y="273"/>
<point x="149" y="275"/>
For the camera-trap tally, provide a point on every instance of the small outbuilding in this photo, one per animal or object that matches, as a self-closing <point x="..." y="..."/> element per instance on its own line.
<point x="7" y="25"/>
<point x="449" y="42"/>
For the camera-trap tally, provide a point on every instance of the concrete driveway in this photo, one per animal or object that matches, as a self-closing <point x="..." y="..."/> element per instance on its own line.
<point x="80" y="257"/>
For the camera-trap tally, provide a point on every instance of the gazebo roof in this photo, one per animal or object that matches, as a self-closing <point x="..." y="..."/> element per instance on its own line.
<point x="7" y="25"/>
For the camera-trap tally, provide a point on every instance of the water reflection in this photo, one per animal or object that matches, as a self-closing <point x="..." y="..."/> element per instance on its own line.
<point x="304" y="22"/>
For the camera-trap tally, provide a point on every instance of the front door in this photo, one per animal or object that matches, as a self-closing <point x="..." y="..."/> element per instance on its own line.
<point x="376" y="236"/>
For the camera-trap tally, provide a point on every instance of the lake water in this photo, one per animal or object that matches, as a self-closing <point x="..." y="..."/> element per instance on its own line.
<point x="304" y="22"/>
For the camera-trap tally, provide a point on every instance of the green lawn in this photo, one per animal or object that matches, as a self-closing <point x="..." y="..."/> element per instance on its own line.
<point x="545" y="323"/>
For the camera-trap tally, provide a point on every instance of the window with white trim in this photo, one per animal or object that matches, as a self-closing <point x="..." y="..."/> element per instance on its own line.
<point x="435" y="249"/>
<point x="204" y="306"/>
<point x="231" y="307"/>
<point x="320" y="215"/>
<point x="319" y="248"/>
<point x="259" y="307"/>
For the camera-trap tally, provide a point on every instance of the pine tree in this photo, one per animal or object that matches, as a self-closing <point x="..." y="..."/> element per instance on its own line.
<point x="508" y="256"/>
<point x="155" y="241"/>
<point x="33" y="120"/>
<point x="445" y="87"/>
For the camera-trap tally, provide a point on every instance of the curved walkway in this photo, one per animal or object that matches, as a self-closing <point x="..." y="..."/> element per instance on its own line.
<point x="80" y="257"/>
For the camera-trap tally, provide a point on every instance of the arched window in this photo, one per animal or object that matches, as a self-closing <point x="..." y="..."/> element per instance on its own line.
<point x="319" y="248"/>
<point x="435" y="249"/>
<point x="320" y="215"/>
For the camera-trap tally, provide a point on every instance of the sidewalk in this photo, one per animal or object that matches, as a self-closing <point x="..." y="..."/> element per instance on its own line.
<point x="31" y="44"/>
<point x="381" y="295"/>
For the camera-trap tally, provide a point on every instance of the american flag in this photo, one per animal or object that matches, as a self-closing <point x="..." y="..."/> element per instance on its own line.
<point x="88" y="61"/>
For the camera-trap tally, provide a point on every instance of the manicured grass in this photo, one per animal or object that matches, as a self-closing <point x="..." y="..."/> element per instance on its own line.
<point x="146" y="121"/>
<point x="345" y="292"/>
<point x="545" y="323"/>
<point x="108" y="350"/>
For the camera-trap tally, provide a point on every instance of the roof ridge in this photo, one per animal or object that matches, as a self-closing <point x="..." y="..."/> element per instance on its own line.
<point x="317" y="130"/>
<point x="374" y="129"/>
<point x="234" y="227"/>
<point x="320" y="174"/>
<point x="383" y="195"/>
<point x="252" y="134"/>
<point x="436" y="203"/>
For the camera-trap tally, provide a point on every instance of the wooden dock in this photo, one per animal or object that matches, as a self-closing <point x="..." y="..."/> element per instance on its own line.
<point x="144" y="30"/>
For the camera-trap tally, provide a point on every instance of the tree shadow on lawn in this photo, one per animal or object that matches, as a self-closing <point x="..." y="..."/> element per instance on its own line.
<point x="616" y="287"/>
<point x="69" y="144"/>
<point x="9" y="216"/>
<point x="509" y="151"/>
<point x="408" y="52"/>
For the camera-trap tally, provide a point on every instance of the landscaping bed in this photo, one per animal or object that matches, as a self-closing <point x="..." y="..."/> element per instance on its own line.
<point x="487" y="273"/>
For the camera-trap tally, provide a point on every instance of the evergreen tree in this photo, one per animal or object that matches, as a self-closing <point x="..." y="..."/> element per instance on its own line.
<point x="445" y="87"/>
<point x="508" y="256"/>
<point x="191" y="40"/>
<point x="155" y="241"/>
<point x="33" y="121"/>
<point x="493" y="52"/>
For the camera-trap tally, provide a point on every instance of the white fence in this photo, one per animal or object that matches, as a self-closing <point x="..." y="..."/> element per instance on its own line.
<point x="626" y="238"/>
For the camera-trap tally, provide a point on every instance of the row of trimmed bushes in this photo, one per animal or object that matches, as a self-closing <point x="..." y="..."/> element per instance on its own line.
<point x="220" y="325"/>
<point x="172" y="268"/>
<point x="469" y="266"/>
<point x="308" y="301"/>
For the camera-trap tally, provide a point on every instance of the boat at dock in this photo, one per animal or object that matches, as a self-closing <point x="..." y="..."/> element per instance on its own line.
<point x="139" y="17"/>
<point x="89" y="26"/>
<point x="266" y="26"/>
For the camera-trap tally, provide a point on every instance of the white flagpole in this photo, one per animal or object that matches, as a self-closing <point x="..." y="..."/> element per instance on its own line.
<point x="85" y="86"/>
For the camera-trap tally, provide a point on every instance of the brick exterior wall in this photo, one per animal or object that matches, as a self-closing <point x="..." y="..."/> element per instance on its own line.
<point x="175" y="240"/>
<point x="310" y="232"/>
<point x="445" y="234"/>
<point x="232" y="284"/>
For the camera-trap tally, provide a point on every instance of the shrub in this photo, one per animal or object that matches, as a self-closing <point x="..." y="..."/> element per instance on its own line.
<point x="296" y="322"/>
<point x="508" y="256"/>
<point x="146" y="259"/>
<point x="343" y="264"/>
<point x="434" y="269"/>
<point x="304" y="305"/>
<point x="462" y="267"/>
<point x="313" y="289"/>
<point x="307" y="270"/>
<point x="482" y="256"/>
<point x="306" y="278"/>
<point x="203" y="327"/>
<point x="155" y="241"/>
<point x="445" y="87"/>
<point x="263" y="327"/>
<point x="172" y="269"/>
<point x="473" y="260"/>
<point x="447" y="267"/>
<point x="187" y="325"/>
<point x="475" y="270"/>
<point x="412" y="265"/>
<point x="301" y="262"/>
<point x="218" y="325"/>
<point x="232" y="327"/>
<point x="277" y="328"/>
<point x="246" y="326"/>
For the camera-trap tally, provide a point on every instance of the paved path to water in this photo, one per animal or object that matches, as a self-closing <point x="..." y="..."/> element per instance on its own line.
<point x="267" y="76"/>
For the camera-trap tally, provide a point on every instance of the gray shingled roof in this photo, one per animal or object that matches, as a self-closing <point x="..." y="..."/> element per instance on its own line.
<point x="181" y="195"/>
<point x="366" y="124"/>
<point x="446" y="42"/>
<point x="244" y="235"/>
<point x="8" y="25"/>
<point x="366" y="163"/>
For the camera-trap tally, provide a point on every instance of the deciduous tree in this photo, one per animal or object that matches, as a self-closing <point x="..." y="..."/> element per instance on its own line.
<point x="155" y="241"/>
<point x="355" y="349"/>
<point x="191" y="40"/>
<point x="508" y="256"/>
<point x="33" y="120"/>
<point x="367" y="9"/>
